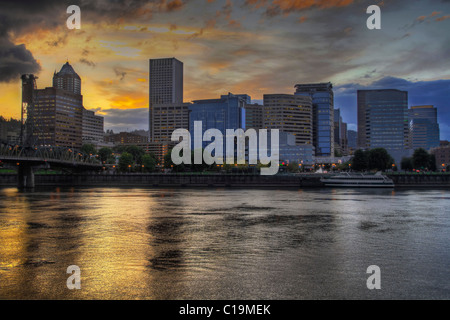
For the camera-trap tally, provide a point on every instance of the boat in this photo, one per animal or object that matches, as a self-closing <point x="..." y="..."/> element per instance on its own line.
<point x="358" y="180"/>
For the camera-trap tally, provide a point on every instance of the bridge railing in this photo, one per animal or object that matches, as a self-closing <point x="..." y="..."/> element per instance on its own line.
<point x="46" y="153"/>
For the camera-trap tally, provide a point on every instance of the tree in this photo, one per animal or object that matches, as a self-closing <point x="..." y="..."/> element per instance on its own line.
<point x="432" y="162"/>
<point x="104" y="154"/>
<point x="293" y="167"/>
<point x="88" y="149"/>
<point x="125" y="161"/>
<point x="406" y="164"/>
<point x="359" y="161"/>
<point x="168" y="159"/>
<point x="378" y="159"/>
<point x="136" y="152"/>
<point x="420" y="159"/>
<point x="149" y="162"/>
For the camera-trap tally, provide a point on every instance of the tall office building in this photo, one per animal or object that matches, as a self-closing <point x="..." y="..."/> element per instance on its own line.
<point x="225" y="113"/>
<point x="337" y="129"/>
<point x="165" y="85"/>
<point x="58" y="118"/>
<point x="254" y="116"/>
<point x="166" y="81"/>
<point x="383" y="121"/>
<point x="67" y="79"/>
<point x="424" y="128"/>
<point x="92" y="128"/>
<point x="289" y="113"/>
<point x="247" y="99"/>
<point x="352" y="137"/>
<point x="167" y="118"/>
<point x="56" y="113"/>
<point x="323" y="115"/>
<point x="340" y="133"/>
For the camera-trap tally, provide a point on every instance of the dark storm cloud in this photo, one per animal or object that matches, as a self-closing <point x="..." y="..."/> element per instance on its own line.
<point x="15" y="60"/>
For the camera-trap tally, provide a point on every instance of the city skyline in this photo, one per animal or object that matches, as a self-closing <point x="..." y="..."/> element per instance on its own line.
<point x="268" y="52"/>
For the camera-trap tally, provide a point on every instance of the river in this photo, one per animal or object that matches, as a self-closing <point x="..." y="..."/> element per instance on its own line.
<point x="138" y="243"/>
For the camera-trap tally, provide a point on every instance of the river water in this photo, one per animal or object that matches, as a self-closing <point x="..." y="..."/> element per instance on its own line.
<point x="138" y="243"/>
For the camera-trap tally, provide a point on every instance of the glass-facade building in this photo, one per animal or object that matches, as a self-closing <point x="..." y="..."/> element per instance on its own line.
<point x="323" y="116"/>
<point x="228" y="112"/>
<point x="383" y="121"/>
<point x="423" y="127"/>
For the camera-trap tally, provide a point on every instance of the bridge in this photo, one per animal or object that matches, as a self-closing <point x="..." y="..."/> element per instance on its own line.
<point x="33" y="152"/>
<point x="28" y="159"/>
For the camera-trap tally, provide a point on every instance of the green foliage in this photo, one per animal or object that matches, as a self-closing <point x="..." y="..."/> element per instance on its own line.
<point x="420" y="159"/>
<point x="293" y="167"/>
<point x="359" y="162"/>
<point x="136" y="152"/>
<point x="168" y="159"/>
<point x="375" y="159"/>
<point x="337" y="153"/>
<point x="406" y="164"/>
<point x="105" y="154"/>
<point x="378" y="159"/>
<point x="432" y="162"/>
<point x="184" y="167"/>
<point x="148" y="162"/>
<point x="88" y="149"/>
<point x="125" y="161"/>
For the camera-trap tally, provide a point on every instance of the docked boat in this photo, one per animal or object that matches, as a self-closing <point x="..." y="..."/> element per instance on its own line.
<point x="358" y="180"/>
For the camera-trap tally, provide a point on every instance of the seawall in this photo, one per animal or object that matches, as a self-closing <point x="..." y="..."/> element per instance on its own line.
<point x="421" y="180"/>
<point x="171" y="180"/>
<point x="215" y="180"/>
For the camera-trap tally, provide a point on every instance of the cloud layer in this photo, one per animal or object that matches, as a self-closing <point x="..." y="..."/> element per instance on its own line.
<point x="240" y="46"/>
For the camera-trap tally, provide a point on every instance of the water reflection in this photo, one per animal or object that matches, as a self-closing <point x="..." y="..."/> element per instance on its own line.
<point x="223" y="243"/>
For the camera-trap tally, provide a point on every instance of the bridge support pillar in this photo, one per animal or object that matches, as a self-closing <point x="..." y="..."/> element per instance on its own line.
<point x="26" y="176"/>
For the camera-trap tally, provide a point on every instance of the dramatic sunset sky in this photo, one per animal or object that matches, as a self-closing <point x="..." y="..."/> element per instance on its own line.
<point x="239" y="46"/>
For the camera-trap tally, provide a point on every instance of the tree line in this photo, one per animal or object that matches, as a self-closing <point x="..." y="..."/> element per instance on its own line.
<point x="379" y="159"/>
<point x="131" y="158"/>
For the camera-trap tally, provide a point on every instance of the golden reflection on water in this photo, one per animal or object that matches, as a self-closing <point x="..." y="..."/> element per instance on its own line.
<point x="224" y="243"/>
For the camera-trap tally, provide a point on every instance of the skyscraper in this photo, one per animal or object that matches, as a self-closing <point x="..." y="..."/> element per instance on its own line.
<point x="383" y="121"/>
<point x="225" y="113"/>
<point x="289" y="113"/>
<point x="93" y="127"/>
<point x="165" y="85"/>
<point x="67" y="79"/>
<point x="254" y="116"/>
<point x="337" y="129"/>
<point x="55" y="114"/>
<point x="352" y="136"/>
<point x="323" y="115"/>
<point x="424" y="128"/>
<point x="58" y="118"/>
<point x="166" y="118"/>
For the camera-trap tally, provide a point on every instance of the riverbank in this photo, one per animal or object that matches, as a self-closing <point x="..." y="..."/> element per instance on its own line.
<point x="306" y="180"/>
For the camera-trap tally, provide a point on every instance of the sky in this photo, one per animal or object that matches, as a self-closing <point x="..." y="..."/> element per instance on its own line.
<point x="252" y="47"/>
